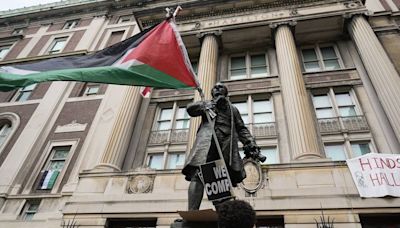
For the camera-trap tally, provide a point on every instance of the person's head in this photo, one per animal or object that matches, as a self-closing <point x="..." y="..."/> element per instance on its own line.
<point x="219" y="90"/>
<point x="235" y="214"/>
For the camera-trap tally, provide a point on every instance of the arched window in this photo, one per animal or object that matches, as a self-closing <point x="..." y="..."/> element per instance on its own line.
<point x="9" y="122"/>
<point x="5" y="129"/>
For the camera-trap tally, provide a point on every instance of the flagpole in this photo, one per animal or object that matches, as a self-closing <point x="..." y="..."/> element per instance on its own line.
<point x="172" y="16"/>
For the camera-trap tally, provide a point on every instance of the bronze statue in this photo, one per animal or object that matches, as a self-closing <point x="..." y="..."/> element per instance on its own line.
<point x="229" y="128"/>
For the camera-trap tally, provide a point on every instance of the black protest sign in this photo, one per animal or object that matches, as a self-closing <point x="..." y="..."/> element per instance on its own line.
<point x="216" y="182"/>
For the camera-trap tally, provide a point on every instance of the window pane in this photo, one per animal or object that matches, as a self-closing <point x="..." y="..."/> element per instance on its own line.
<point x="58" y="45"/>
<point x="4" y="51"/>
<point x="23" y="96"/>
<point x="271" y="154"/>
<point x="33" y="207"/>
<point x="325" y="113"/>
<point x="335" y="152"/>
<point x="343" y="99"/>
<point x="92" y="90"/>
<point x="166" y="114"/>
<point x="182" y="124"/>
<point x="238" y="74"/>
<point x="309" y="55"/>
<point x="4" y="132"/>
<point x="56" y="165"/>
<point x="263" y="118"/>
<point x="328" y="53"/>
<point x="242" y="107"/>
<point x="175" y="161"/>
<point x="262" y="106"/>
<point x="321" y="101"/>
<point x="245" y="118"/>
<point x="258" y="72"/>
<point x="60" y="154"/>
<point x="238" y="62"/>
<point x="347" y="111"/>
<point x="29" y="216"/>
<point x="331" y="64"/>
<point x="30" y="209"/>
<point x="360" y="149"/>
<point x="155" y="161"/>
<point x="182" y="114"/>
<point x="164" y="125"/>
<point x="70" y="24"/>
<point x="29" y="87"/>
<point x="312" y="66"/>
<point x="258" y="60"/>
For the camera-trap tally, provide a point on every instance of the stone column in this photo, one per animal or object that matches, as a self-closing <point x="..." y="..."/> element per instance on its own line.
<point x="298" y="110"/>
<point x="117" y="145"/>
<point x="380" y="68"/>
<point x="207" y="74"/>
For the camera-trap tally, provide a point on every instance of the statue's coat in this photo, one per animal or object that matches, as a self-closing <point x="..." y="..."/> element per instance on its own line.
<point x="229" y="128"/>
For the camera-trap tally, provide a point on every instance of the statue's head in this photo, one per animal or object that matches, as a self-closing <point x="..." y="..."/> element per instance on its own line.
<point x="219" y="90"/>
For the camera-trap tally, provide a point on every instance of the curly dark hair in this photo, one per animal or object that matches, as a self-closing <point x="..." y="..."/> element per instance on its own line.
<point x="236" y="214"/>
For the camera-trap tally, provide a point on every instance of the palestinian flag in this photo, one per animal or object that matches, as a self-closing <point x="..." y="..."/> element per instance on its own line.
<point x="155" y="57"/>
<point x="48" y="179"/>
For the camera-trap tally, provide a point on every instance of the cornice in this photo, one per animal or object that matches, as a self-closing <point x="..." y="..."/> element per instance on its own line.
<point x="156" y="14"/>
<point x="42" y="57"/>
<point x="45" y="7"/>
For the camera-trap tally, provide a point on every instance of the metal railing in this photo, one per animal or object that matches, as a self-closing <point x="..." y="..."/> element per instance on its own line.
<point x="339" y="124"/>
<point x="329" y="125"/>
<point x="355" y="123"/>
<point x="171" y="136"/>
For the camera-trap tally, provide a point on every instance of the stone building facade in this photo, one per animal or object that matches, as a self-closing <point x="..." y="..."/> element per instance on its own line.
<point x="316" y="82"/>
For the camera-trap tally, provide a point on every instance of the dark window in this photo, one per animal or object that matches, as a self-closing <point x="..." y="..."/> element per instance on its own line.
<point x="115" y="37"/>
<point x="30" y="209"/>
<point x="136" y="223"/>
<point x="4" y="51"/>
<point x="270" y="222"/>
<point x="380" y="221"/>
<point x="90" y="89"/>
<point x="53" y="167"/>
<point x="24" y="93"/>
<point x="71" y="24"/>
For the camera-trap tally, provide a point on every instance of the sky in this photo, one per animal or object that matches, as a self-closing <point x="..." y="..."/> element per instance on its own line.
<point x="15" y="4"/>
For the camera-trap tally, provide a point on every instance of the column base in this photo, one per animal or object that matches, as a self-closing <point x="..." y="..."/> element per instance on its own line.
<point x="105" y="167"/>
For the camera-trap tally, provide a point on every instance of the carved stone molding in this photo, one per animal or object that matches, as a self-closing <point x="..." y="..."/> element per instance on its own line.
<point x="350" y="15"/>
<point x="255" y="177"/>
<point x="270" y="6"/>
<point x="275" y="25"/>
<point x="201" y="35"/>
<point x="140" y="184"/>
<point x="74" y="126"/>
<point x="353" y="4"/>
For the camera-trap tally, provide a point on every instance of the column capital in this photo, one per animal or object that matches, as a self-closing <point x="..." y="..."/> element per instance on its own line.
<point x="201" y="35"/>
<point x="275" y="25"/>
<point x="350" y="15"/>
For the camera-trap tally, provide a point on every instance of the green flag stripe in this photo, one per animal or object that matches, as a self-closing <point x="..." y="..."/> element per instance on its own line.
<point x="52" y="180"/>
<point x="140" y="75"/>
